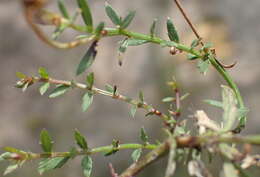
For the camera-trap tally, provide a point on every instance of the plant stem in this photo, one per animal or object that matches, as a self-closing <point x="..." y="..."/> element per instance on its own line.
<point x="101" y="149"/>
<point x="95" y="90"/>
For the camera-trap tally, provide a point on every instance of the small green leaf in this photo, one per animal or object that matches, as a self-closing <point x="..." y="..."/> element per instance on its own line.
<point x="25" y="86"/>
<point x="195" y="43"/>
<point x="109" y="88"/>
<point x="90" y="80"/>
<point x="99" y="28"/>
<point x="144" y="136"/>
<point x="44" y="88"/>
<point x="184" y="96"/>
<point x="58" y="91"/>
<point x="123" y="46"/>
<point x="191" y="57"/>
<point x="136" y="42"/>
<point x="51" y="163"/>
<point x="127" y="20"/>
<point x="152" y="29"/>
<point x="12" y="150"/>
<point x="208" y="45"/>
<point x="63" y="9"/>
<point x="133" y="110"/>
<point x="86" y="165"/>
<point x="86" y="14"/>
<point x="141" y="97"/>
<point x="229" y="170"/>
<point x="46" y="141"/>
<point x="43" y="73"/>
<point x="87" y="59"/>
<point x="80" y="140"/>
<point x="149" y="114"/>
<point x="136" y="154"/>
<point x="230" y="114"/>
<point x="111" y="13"/>
<point x="10" y="169"/>
<point x="172" y="33"/>
<point x="214" y="103"/>
<point x="5" y="156"/>
<point x="20" y="75"/>
<point x="168" y="99"/>
<point x="87" y="100"/>
<point x="203" y="66"/>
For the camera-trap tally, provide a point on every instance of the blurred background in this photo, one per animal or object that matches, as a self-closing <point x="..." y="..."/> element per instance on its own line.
<point x="232" y="25"/>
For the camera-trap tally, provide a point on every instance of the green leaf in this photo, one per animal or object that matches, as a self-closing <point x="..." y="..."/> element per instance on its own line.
<point x="51" y="163"/>
<point x="86" y="14"/>
<point x="214" y="103"/>
<point x="80" y="140"/>
<point x="25" y="86"/>
<point x="144" y="136"/>
<point x="5" y="156"/>
<point x="11" y="168"/>
<point x="123" y="46"/>
<point x="109" y="88"/>
<point x="149" y="114"/>
<point x="172" y="33"/>
<point x="58" y="91"/>
<point x="203" y="66"/>
<point x="87" y="99"/>
<point x="46" y="141"/>
<point x="133" y="110"/>
<point x="195" y="43"/>
<point x="207" y="45"/>
<point x="63" y="9"/>
<point x="136" y="154"/>
<point x="136" y="42"/>
<point x="168" y="99"/>
<point x="99" y="28"/>
<point x="184" y="96"/>
<point x="141" y="97"/>
<point x="20" y="75"/>
<point x="43" y="73"/>
<point x="111" y="13"/>
<point x="44" y="88"/>
<point x="127" y="20"/>
<point x="90" y="80"/>
<point x="86" y="165"/>
<point x="229" y="170"/>
<point x="152" y="29"/>
<point x="87" y="59"/>
<point x="230" y="114"/>
<point x="191" y="57"/>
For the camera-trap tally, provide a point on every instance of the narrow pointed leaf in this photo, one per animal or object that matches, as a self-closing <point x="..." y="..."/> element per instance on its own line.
<point x="87" y="100"/>
<point x="46" y="141"/>
<point x="191" y="57"/>
<point x="172" y="33"/>
<point x="87" y="59"/>
<point x="168" y="99"/>
<point x="214" y="103"/>
<point x="143" y="135"/>
<point x="86" y="165"/>
<point x="141" y="96"/>
<point x="109" y="88"/>
<point x="20" y="75"/>
<point x="90" y="80"/>
<point x="80" y="140"/>
<point x="127" y="20"/>
<point x="203" y="66"/>
<point x="152" y="29"/>
<point x="86" y="14"/>
<point x="111" y="13"/>
<point x="195" y="43"/>
<point x="58" y="91"/>
<point x="63" y="9"/>
<point x="136" y="42"/>
<point x="136" y="154"/>
<point x="10" y="169"/>
<point x="44" y="88"/>
<point x="51" y="163"/>
<point x="133" y="110"/>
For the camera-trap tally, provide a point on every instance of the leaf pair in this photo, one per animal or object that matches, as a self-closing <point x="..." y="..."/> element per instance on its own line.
<point x="122" y="23"/>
